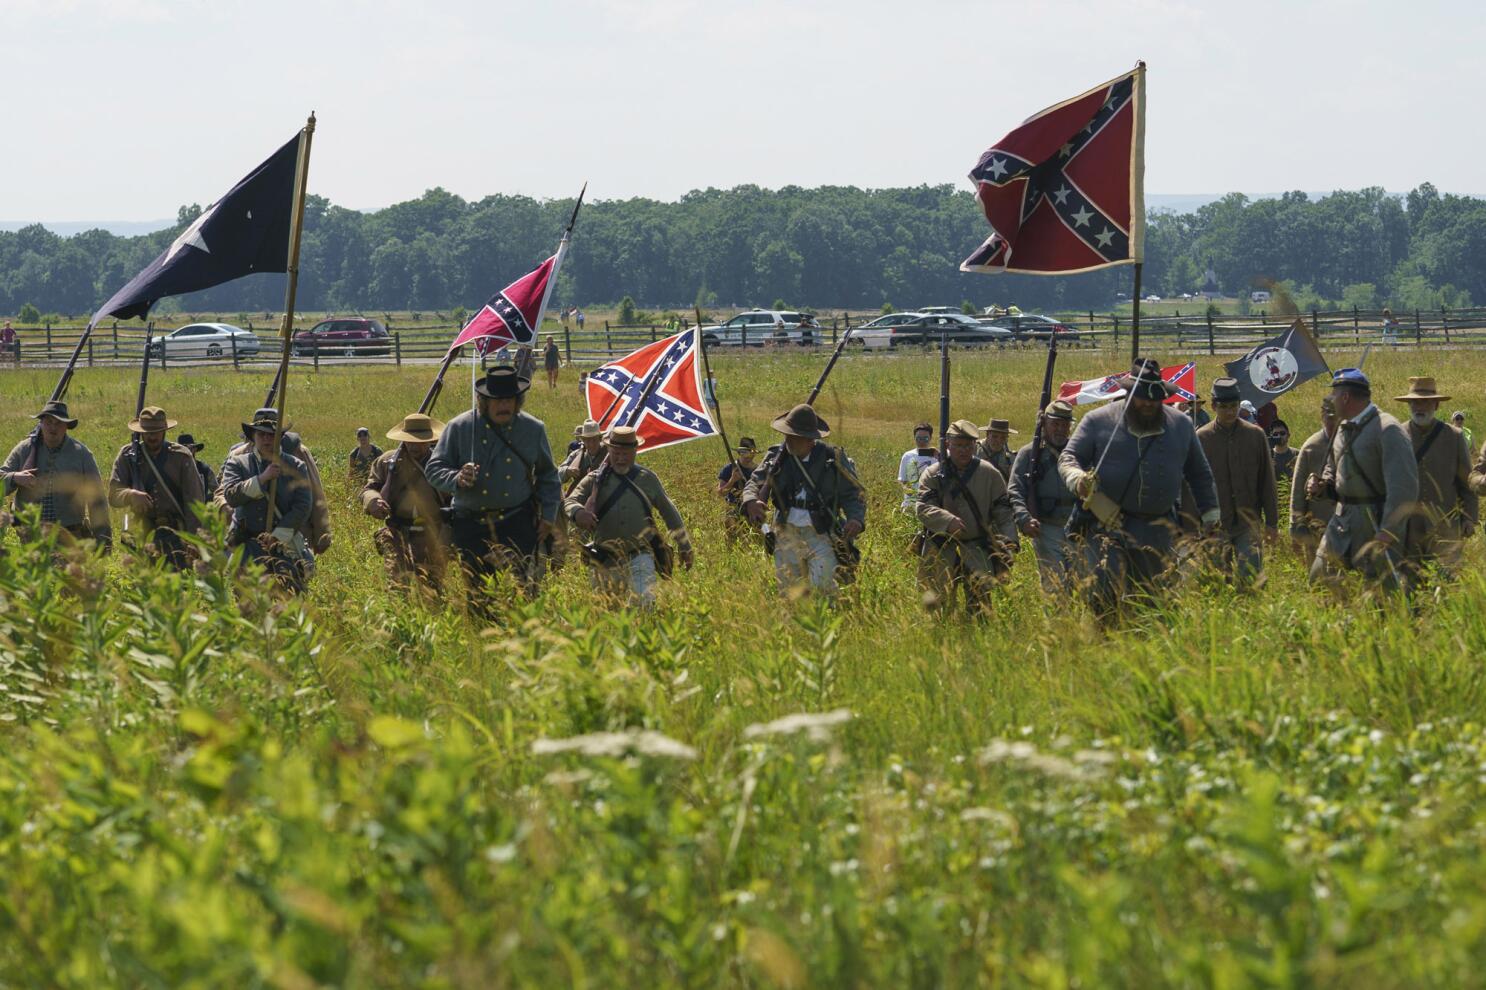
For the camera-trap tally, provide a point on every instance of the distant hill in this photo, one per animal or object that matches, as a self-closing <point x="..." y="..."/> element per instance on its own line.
<point x="119" y="228"/>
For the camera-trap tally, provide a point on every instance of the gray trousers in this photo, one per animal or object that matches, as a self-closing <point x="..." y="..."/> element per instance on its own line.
<point x="1132" y="560"/>
<point x="1056" y="555"/>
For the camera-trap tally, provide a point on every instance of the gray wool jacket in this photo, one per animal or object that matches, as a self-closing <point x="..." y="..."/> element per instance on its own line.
<point x="1143" y="474"/>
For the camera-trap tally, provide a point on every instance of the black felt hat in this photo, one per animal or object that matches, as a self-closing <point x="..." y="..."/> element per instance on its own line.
<point x="502" y="382"/>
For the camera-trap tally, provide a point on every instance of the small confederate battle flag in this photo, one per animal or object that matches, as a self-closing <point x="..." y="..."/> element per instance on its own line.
<point x="1065" y="191"/>
<point x="511" y="315"/>
<point x="668" y="375"/>
<point x="1182" y="377"/>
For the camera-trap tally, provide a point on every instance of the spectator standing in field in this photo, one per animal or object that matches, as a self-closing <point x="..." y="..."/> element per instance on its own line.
<point x="1457" y="420"/>
<point x="1309" y="515"/>
<point x="578" y="316"/>
<point x="1370" y="471"/>
<point x="1041" y="505"/>
<point x="913" y="462"/>
<point x="1447" y="510"/>
<point x="8" y="343"/>
<point x="551" y="361"/>
<point x="1284" y="455"/>
<point x="1243" y="473"/>
<point x="362" y="455"/>
<point x="995" y="448"/>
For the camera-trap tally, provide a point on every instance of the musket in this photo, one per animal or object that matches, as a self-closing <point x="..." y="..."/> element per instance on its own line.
<point x="136" y="446"/>
<point x="835" y="355"/>
<point x="717" y="408"/>
<point x="943" y="396"/>
<point x="60" y="392"/>
<point x="273" y="388"/>
<point x="432" y="395"/>
<point x="1035" y="475"/>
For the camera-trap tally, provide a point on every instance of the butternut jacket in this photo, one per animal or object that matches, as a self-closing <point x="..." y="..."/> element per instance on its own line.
<point x="625" y="515"/>
<point x="399" y="479"/>
<point x="1309" y="515"/>
<point x="177" y="467"/>
<point x="1243" y="473"/>
<point x="1445" y="490"/>
<point x="943" y="498"/>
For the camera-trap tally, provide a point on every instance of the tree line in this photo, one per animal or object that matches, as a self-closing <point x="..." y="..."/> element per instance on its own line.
<point x="828" y="247"/>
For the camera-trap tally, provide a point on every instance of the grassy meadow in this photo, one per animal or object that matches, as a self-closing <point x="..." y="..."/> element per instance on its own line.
<point x="200" y="786"/>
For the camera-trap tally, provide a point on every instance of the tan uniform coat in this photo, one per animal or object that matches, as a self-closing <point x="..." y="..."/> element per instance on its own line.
<point x="1243" y="473"/>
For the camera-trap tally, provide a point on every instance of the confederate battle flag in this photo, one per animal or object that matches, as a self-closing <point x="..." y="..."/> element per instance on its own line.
<point x="657" y="390"/>
<point x="512" y="314"/>
<point x="1065" y="191"/>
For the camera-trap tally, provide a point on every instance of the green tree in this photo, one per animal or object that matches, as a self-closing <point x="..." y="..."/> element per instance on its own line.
<point x="1360" y="295"/>
<point x="28" y="314"/>
<point x="628" y="315"/>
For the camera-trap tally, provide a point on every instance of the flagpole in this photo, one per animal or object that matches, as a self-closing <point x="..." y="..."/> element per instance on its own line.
<point x="1135" y="318"/>
<point x="562" y="250"/>
<point x="296" y="226"/>
<point x="722" y="432"/>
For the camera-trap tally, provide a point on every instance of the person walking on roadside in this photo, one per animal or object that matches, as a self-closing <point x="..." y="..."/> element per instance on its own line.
<point x="551" y="361"/>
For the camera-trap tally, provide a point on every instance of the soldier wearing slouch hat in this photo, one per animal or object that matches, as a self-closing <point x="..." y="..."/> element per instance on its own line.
<point x="1446" y="513"/>
<point x="414" y="538"/>
<point x="971" y="537"/>
<point x="158" y="483"/>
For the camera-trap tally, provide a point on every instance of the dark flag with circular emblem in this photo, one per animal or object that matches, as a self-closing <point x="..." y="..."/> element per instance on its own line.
<point x="1278" y="365"/>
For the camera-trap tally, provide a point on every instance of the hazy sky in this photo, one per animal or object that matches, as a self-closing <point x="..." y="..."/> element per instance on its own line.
<point x="125" y="109"/>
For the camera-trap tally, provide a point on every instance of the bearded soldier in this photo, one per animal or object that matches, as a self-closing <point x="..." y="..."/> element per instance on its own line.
<point x="413" y="541"/>
<point x="275" y="541"/>
<point x="618" y="503"/>
<point x="496" y="463"/>
<point x="1041" y="503"/>
<point x="971" y="537"/>
<point x="316" y="526"/>
<point x="1309" y="515"/>
<point x="1127" y="462"/>
<point x="1371" y="473"/>
<point x="995" y="449"/>
<point x="819" y="506"/>
<point x="1446" y="513"/>
<point x="1243" y="473"/>
<point x="158" y="483"/>
<point x="58" y="474"/>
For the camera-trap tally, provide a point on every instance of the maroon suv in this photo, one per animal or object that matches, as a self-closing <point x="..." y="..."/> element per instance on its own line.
<point x="344" y="335"/>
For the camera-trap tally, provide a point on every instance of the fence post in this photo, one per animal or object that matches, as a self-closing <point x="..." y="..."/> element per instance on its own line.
<point x="653" y="338"/>
<point x="90" y="352"/>
<point x="1212" y="347"/>
<point x="1356" y="327"/>
<point x="116" y="340"/>
<point x="567" y="341"/>
<point x="48" y="340"/>
<point x="232" y="339"/>
<point x="1116" y="318"/>
<point x="1418" y="329"/>
<point x="608" y="342"/>
<point x="835" y="328"/>
<point x="317" y="355"/>
<point x="1445" y="322"/>
<point x="397" y="347"/>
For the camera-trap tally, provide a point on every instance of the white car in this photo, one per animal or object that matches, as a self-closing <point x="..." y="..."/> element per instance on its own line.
<point x="197" y="340"/>
<point x="762" y="326"/>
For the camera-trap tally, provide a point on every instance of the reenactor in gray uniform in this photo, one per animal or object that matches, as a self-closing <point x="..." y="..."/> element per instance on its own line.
<point x="585" y="457"/>
<point x="208" y="476"/>
<point x="1126" y="462"/>
<point x="995" y="449"/>
<point x="1041" y="505"/>
<point x="1447" y="511"/>
<point x="1371" y="473"/>
<point x="971" y="537"/>
<point x="414" y="539"/>
<point x="496" y="463"/>
<point x="1309" y="515"/>
<point x="316" y="526"/>
<point x="617" y="504"/>
<point x="248" y="479"/>
<point x="1243" y="473"/>
<point x="819" y="506"/>
<point x="59" y="476"/>
<point x="157" y="482"/>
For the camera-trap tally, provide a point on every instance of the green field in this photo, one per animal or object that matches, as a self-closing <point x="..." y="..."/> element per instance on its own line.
<point x="200" y="787"/>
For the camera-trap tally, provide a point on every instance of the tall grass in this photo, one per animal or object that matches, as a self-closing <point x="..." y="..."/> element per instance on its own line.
<point x="200" y="785"/>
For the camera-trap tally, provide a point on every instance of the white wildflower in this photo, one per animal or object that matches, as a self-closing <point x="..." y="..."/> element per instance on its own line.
<point x="817" y="725"/>
<point x="645" y="742"/>
<point x="503" y="853"/>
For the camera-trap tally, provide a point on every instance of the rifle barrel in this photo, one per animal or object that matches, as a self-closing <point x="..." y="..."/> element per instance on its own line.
<point x="836" y="354"/>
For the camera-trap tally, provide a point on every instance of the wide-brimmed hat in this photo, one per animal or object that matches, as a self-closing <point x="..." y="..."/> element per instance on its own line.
<point x="1226" y="390"/>
<point x="1059" y="409"/>
<point x="1145" y="382"/>
<point x="416" y="428"/>
<point x="1421" y="387"/>
<point x="1001" y="426"/>
<point x="962" y="429"/>
<point x="502" y="382"/>
<point x="587" y="429"/>
<point x="802" y="421"/>
<point x="57" y="411"/>
<point x="189" y="442"/>
<point x="747" y="444"/>
<point x="624" y="436"/>
<point x="151" y="419"/>
<point x="265" y="420"/>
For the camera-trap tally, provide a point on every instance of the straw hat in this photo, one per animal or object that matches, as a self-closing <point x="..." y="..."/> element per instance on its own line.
<point x="624" y="436"/>
<point x="151" y="420"/>
<point x="1421" y="388"/>
<point x="416" y="428"/>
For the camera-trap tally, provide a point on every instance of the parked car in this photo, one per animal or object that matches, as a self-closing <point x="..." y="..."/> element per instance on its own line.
<point x="879" y="332"/>
<point x="209" y="340"/>
<point x="344" y="335"/>
<point x="1032" y="326"/>
<point x="762" y="326"/>
<point x="902" y="329"/>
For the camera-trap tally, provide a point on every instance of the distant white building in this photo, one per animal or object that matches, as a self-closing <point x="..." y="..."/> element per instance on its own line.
<point x="1259" y="295"/>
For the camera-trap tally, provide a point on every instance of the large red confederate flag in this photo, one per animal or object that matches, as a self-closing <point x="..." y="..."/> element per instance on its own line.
<point x="1065" y="191"/>
<point x="656" y="389"/>
<point x="511" y="315"/>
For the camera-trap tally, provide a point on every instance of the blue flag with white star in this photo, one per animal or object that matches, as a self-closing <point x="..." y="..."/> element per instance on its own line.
<point x="245" y="231"/>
